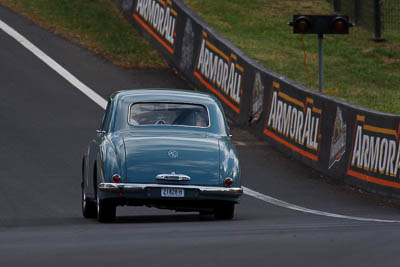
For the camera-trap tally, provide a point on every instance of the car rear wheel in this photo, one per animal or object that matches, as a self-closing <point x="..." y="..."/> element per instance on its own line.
<point x="88" y="207"/>
<point x="224" y="211"/>
<point x="106" y="211"/>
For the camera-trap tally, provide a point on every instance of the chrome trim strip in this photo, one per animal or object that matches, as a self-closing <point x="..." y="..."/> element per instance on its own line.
<point x="173" y="177"/>
<point x="206" y="190"/>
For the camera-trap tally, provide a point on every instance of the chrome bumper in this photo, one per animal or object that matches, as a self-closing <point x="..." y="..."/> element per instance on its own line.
<point x="205" y="190"/>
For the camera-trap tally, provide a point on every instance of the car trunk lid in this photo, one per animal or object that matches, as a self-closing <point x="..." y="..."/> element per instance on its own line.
<point x="171" y="159"/>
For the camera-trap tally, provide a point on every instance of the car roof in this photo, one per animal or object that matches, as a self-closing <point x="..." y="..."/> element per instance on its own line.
<point x="122" y="100"/>
<point x="165" y="95"/>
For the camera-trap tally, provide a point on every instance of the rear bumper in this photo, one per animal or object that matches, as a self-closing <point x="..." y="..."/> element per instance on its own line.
<point x="142" y="188"/>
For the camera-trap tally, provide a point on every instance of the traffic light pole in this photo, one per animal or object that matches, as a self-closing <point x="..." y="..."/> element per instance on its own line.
<point x="320" y="62"/>
<point x="320" y="24"/>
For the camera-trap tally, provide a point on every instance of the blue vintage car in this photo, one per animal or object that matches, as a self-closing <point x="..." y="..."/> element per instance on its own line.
<point x="161" y="148"/>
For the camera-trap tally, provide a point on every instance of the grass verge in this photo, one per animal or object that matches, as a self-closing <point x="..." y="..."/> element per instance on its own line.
<point x="96" y="24"/>
<point x="366" y="73"/>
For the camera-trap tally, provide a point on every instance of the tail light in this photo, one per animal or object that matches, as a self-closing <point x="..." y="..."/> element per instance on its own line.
<point x="116" y="178"/>
<point x="228" y="182"/>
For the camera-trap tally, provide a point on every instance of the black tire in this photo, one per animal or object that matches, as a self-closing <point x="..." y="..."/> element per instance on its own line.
<point x="88" y="207"/>
<point x="106" y="210"/>
<point x="224" y="211"/>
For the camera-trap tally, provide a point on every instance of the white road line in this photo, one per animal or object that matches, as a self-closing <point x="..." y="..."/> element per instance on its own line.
<point x="54" y="65"/>
<point x="102" y="103"/>
<point x="287" y="205"/>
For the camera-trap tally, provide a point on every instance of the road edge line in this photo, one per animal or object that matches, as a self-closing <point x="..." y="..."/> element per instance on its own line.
<point x="287" y="205"/>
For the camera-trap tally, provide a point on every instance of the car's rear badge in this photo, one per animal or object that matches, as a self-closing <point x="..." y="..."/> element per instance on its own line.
<point x="173" y="154"/>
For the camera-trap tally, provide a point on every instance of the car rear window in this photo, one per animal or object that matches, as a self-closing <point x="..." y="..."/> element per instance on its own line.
<point x="157" y="113"/>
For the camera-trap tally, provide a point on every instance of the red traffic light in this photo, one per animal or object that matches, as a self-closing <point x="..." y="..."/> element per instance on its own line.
<point x="320" y="24"/>
<point x="302" y="24"/>
<point x="339" y="25"/>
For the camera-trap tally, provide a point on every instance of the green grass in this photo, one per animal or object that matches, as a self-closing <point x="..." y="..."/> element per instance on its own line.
<point x="96" y="24"/>
<point x="365" y="72"/>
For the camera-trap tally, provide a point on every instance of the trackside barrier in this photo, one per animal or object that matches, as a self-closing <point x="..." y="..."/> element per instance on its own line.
<point x="352" y="144"/>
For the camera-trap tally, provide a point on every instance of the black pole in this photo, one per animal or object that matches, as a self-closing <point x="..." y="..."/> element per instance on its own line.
<point x="378" y="21"/>
<point x="320" y="62"/>
<point x="357" y="11"/>
<point x="336" y="5"/>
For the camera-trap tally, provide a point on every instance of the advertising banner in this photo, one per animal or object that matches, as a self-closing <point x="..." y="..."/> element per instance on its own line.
<point x="294" y="121"/>
<point x="159" y="19"/>
<point x="375" y="150"/>
<point x="219" y="71"/>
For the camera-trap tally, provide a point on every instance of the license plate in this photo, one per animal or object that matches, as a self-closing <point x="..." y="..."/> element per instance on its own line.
<point x="172" y="192"/>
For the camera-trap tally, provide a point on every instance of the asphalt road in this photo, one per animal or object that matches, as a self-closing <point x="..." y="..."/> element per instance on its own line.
<point x="45" y="125"/>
